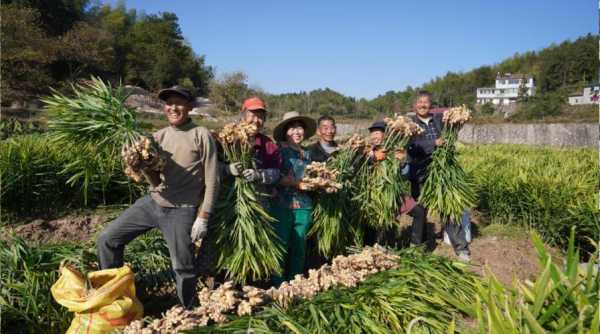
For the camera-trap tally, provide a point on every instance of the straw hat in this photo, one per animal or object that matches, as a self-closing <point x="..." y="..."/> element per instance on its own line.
<point x="310" y="126"/>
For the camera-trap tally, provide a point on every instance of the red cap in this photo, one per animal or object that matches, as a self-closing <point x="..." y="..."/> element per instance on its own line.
<point x="253" y="103"/>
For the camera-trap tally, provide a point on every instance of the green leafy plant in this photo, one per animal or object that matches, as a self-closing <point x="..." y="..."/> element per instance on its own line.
<point x="562" y="299"/>
<point x="96" y="122"/>
<point x="27" y="271"/>
<point x="335" y="223"/>
<point x="422" y="295"/>
<point x="448" y="190"/>
<point x="381" y="189"/>
<point x="547" y="189"/>
<point x="245" y="240"/>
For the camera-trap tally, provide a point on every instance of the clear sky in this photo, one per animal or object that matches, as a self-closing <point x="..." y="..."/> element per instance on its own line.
<point x="365" y="48"/>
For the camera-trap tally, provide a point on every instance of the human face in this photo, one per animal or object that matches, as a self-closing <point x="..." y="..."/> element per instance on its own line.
<point x="256" y="117"/>
<point x="176" y="109"/>
<point x="376" y="137"/>
<point x="295" y="133"/>
<point x="326" y="131"/>
<point x="422" y="106"/>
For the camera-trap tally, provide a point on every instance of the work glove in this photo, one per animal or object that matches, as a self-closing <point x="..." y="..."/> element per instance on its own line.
<point x="252" y="175"/>
<point x="199" y="229"/>
<point x="235" y="168"/>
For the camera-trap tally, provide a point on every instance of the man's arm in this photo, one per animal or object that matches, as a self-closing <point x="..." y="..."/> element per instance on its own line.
<point x="152" y="177"/>
<point x="212" y="177"/>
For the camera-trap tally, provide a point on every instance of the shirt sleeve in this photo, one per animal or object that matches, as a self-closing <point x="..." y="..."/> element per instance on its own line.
<point x="273" y="156"/>
<point x="212" y="177"/>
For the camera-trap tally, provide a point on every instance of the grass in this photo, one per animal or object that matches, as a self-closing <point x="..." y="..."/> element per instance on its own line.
<point x="504" y="231"/>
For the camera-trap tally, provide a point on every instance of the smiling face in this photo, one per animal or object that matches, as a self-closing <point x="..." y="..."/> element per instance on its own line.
<point x="177" y="109"/>
<point x="422" y="105"/>
<point x="376" y="137"/>
<point x="326" y="130"/>
<point x="256" y="117"/>
<point x="295" y="133"/>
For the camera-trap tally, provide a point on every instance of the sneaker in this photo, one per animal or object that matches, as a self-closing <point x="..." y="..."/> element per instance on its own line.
<point x="447" y="239"/>
<point x="464" y="257"/>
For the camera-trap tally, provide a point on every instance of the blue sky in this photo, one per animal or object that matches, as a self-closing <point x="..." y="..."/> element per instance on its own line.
<point x="365" y="48"/>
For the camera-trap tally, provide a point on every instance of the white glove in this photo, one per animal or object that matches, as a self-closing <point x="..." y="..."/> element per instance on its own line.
<point x="199" y="229"/>
<point x="235" y="168"/>
<point x="251" y="175"/>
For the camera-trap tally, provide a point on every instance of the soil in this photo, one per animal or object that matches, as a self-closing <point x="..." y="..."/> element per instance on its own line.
<point x="69" y="228"/>
<point x="508" y="257"/>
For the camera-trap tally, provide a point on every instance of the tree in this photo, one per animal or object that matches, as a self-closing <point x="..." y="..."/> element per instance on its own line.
<point x="27" y="53"/>
<point x="157" y="56"/>
<point x="86" y="50"/>
<point x="229" y="92"/>
<point x="55" y="17"/>
<point x="522" y="94"/>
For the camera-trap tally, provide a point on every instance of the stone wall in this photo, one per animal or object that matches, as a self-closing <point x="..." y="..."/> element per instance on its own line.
<point x="567" y="134"/>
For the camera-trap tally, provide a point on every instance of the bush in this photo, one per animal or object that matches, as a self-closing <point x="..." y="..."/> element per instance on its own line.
<point x="540" y="106"/>
<point x="33" y="182"/>
<point x="488" y="108"/>
<point x="10" y="127"/>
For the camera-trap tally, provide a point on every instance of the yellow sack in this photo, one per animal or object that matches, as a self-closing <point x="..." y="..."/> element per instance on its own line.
<point x="108" y="304"/>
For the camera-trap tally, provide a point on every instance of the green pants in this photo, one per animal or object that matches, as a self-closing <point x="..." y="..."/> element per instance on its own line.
<point x="291" y="227"/>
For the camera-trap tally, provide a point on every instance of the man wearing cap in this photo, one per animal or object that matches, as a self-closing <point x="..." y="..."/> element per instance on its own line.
<point x="266" y="157"/>
<point x="181" y="197"/>
<point x="409" y="204"/>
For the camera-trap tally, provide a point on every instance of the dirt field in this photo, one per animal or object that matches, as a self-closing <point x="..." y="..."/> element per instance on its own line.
<point x="506" y="251"/>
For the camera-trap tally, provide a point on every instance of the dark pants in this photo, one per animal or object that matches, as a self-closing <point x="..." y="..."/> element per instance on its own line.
<point x="456" y="233"/>
<point x="175" y="225"/>
<point x="418" y="225"/>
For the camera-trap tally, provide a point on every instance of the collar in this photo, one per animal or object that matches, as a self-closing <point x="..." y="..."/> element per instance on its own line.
<point x="425" y="120"/>
<point x="185" y="126"/>
<point x="326" y="144"/>
<point x="298" y="148"/>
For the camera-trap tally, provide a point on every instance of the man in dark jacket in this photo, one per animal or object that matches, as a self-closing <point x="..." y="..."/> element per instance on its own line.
<point x="324" y="148"/>
<point x="420" y="149"/>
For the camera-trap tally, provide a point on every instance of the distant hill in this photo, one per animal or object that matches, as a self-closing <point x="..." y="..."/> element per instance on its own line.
<point x="559" y="69"/>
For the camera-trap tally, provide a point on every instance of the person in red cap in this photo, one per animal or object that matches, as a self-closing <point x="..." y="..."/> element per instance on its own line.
<point x="267" y="160"/>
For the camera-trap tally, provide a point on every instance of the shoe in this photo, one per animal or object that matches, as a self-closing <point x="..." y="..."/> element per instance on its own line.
<point x="447" y="239"/>
<point x="464" y="257"/>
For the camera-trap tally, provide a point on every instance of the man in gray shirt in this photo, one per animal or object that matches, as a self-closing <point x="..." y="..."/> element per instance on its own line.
<point x="181" y="197"/>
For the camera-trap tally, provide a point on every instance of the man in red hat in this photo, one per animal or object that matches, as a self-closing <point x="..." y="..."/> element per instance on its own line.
<point x="267" y="160"/>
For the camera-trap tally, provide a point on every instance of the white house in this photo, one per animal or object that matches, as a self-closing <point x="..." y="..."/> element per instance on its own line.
<point x="591" y="95"/>
<point x="506" y="90"/>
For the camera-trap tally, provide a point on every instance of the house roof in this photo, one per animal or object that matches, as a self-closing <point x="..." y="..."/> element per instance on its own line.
<point x="514" y="76"/>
